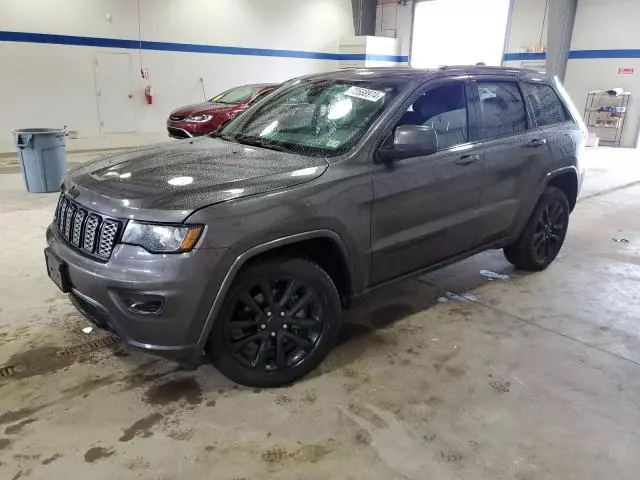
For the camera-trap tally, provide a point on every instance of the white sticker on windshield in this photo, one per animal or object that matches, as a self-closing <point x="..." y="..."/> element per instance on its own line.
<point x="364" y="93"/>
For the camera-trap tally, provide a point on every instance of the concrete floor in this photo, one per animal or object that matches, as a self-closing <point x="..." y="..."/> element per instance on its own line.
<point x="456" y="375"/>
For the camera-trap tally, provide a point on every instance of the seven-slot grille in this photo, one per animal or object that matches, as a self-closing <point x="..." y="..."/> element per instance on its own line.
<point x="87" y="231"/>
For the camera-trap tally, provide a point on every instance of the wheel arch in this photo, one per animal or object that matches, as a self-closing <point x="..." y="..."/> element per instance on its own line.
<point x="566" y="179"/>
<point x="334" y="261"/>
<point x="562" y="177"/>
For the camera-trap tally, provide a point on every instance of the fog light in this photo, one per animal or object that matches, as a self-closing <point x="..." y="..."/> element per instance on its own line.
<point x="142" y="303"/>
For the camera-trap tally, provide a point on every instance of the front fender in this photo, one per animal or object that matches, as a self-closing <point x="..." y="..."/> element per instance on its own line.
<point x="247" y="255"/>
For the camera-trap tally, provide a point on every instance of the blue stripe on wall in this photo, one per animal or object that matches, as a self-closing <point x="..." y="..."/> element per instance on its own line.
<point x="26" y="37"/>
<point x="523" y="56"/>
<point x="576" y="55"/>
<point x="604" y="54"/>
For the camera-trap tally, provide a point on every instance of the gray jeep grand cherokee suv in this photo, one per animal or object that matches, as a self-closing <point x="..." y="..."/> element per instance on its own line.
<point x="246" y="244"/>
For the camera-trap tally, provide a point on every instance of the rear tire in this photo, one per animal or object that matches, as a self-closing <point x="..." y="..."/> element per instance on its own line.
<point x="543" y="235"/>
<point x="279" y="320"/>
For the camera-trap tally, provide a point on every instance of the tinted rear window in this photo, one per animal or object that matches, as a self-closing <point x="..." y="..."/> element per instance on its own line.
<point x="502" y="109"/>
<point x="545" y="104"/>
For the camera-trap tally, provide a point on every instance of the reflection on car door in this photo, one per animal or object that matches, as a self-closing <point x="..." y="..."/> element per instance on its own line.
<point x="424" y="207"/>
<point x="514" y="154"/>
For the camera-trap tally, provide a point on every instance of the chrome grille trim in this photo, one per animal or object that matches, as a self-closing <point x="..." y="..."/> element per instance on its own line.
<point x="64" y="203"/>
<point x="90" y="233"/>
<point x="68" y="220"/>
<point x="85" y="230"/>
<point x="78" y="223"/>
<point x="108" y="234"/>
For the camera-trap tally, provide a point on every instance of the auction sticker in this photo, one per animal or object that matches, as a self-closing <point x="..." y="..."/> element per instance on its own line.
<point x="364" y="93"/>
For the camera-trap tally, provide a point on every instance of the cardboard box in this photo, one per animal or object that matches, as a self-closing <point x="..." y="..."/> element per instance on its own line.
<point x="607" y="119"/>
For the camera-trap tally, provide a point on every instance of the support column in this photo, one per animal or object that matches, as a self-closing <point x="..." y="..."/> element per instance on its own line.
<point x="364" y="16"/>
<point x="560" y="18"/>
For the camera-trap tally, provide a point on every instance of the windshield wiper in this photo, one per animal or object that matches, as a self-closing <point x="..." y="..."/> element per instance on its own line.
<point x="262" y="142"/>
<point x="224" y="136"/>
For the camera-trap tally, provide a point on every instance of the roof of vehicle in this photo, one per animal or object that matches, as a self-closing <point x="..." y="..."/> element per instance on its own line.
<point x="415" y="73"/>
<point x="262" y="85"/>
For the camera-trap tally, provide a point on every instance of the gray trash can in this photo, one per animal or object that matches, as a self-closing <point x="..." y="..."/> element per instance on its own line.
<point x="43" y="158"/>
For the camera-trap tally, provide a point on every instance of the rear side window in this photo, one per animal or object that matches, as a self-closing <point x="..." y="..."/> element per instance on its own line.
<point x="545" y="104"/>
<point x="502" y="111"/>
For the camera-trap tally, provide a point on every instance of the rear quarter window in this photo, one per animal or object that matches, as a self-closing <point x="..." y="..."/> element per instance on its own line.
<point x="545" y="104"/>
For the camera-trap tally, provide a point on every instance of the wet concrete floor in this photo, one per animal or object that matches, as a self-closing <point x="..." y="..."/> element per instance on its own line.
<point x="476" y="371"/>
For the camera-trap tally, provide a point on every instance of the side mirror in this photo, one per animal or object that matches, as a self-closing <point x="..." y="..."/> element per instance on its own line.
<point x="411" y="141"/>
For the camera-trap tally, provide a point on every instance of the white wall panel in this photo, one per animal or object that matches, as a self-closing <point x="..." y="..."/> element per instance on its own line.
<point x="606" y="25"/>
<point x="527" y="25"/>
<point x="71" y="17"/>
<point x="47" y="86"/>
<point x="313" y="25"/>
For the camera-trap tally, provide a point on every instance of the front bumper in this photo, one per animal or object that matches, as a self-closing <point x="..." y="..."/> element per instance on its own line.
<point x="187" y="282"/>
<point x="179" y="133"/>
<point x="181" y="129"/>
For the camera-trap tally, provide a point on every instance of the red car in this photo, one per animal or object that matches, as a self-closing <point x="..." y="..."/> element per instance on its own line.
<point x="207" y="117"/>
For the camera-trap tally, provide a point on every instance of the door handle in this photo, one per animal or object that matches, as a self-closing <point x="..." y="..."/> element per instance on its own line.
<point x="537" y="142"/>
<point x="467" y="159"/>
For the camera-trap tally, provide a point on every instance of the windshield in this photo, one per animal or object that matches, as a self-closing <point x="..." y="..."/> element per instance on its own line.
<point x="235" y="95"/>
<point x="322" y="117"/>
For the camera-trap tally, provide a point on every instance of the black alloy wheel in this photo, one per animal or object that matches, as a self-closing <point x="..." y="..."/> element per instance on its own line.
<point x="275" y="324"/>
<point x="543" y="236"/>
<point x="550" y="231"/>
<point x="279" y="320"/>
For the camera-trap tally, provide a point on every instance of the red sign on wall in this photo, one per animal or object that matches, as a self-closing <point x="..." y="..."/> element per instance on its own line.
<point x="626" y="71"/>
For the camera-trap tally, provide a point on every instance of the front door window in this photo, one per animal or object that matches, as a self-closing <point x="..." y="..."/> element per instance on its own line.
<point x="443" y="109"/>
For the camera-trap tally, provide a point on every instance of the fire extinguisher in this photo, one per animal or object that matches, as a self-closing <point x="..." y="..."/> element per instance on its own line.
<point x="148" y="93"/>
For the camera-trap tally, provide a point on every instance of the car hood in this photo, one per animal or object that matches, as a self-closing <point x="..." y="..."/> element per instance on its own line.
<point x="206" y="108"/>
<point x="169" y="181"/>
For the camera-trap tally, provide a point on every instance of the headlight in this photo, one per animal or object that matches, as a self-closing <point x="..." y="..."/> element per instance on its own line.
<point x="199" y="118"/>
<point x="158" y="238"/>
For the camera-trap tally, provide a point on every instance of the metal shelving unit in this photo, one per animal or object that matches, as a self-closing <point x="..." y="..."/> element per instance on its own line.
<point x="605" y="111"/>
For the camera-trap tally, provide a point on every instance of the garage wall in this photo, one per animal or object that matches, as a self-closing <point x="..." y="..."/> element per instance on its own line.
<point x="394" y="19"/>
<point x="527" y="31"/>
<point x="49" y="84"/>
<point x="605" y="38"/>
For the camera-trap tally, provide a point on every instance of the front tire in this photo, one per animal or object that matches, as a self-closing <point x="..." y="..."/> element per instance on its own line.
<point x="279" y="320"/>
<point x="544" y="233"/>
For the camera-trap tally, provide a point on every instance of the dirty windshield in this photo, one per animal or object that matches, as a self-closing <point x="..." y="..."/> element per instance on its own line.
<point x="322" y="117"/>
